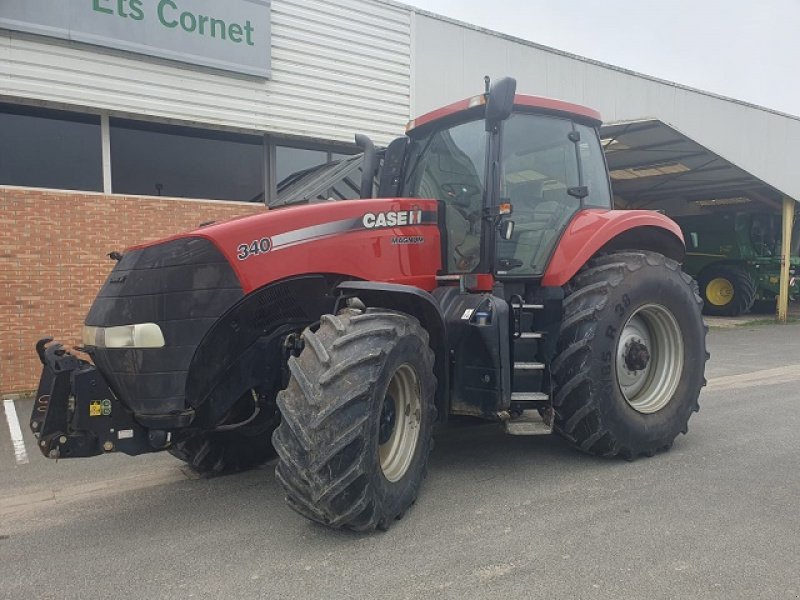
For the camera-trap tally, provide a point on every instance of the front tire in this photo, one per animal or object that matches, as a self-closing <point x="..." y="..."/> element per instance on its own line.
<point x="357" y="419"/>
<point x="630" y="355"/>
<point x="220" y="452"/>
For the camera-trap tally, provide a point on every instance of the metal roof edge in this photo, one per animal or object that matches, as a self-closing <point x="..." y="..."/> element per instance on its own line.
<point x="708" y="149"/>
<point x="584" y="59"/>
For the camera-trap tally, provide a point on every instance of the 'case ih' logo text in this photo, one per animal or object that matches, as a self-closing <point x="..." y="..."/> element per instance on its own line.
<point x="392" y="218"/>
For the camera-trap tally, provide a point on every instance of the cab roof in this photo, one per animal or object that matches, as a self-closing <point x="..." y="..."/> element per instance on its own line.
<point x="533" y="103"/>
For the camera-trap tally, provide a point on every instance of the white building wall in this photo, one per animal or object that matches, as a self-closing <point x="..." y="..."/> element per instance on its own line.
<point x="337" y="68"/>
<point x="347" y="66"/>
<point x="450" y="60"/>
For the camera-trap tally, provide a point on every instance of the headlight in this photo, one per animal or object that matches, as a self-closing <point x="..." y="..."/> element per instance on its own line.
<point x="139" y="335"/>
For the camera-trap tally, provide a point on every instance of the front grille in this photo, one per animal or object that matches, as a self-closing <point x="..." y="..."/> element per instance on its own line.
<point x="184" y="286"/>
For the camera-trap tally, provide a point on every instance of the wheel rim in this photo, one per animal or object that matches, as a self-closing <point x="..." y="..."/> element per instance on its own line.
<point x="399" y="423"/>
<point x="719" y="291"/>
<point x="649" y="358"/>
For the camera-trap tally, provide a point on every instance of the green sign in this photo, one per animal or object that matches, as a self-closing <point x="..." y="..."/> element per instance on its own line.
<point x="233" y="35"/>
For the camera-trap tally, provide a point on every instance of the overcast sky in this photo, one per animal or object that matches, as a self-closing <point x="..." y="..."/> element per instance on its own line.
<point x="745" y="49"/>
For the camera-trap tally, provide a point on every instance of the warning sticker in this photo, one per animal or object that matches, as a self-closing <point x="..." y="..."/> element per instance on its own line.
<point x="95" y="409"/>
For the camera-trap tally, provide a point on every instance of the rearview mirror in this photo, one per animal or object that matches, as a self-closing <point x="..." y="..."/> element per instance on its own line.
<point x="506" y="229"/>
<point x="500" y="101"/>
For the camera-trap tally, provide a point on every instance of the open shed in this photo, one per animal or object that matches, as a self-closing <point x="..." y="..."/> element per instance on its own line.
<point x="654" y="166"/>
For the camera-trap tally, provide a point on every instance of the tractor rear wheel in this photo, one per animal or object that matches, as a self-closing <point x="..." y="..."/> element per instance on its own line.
<point x="357" y="419"/>
<point x="727" y="290"/>
<point x="631" y="355"/>
<point x="246" y="447"/>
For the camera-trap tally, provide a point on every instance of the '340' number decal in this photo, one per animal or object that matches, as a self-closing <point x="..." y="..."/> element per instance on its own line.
<point x="254" y="248"/>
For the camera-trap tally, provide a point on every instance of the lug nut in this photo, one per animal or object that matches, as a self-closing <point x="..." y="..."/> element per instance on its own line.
<point x="108" y="446"/>
<point x="62" y="439"/>
<point x="34" y="425"/>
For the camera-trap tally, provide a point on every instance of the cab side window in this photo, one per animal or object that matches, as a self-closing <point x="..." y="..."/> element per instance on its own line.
<point x="539" y="166"/>
<point x="593" y="164"/>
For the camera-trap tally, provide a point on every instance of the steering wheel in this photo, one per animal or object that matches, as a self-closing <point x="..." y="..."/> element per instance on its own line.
<point x="460" y="192"/>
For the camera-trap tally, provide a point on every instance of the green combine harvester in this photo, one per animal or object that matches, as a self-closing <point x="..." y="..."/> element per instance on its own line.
<point x="736" y="260"/>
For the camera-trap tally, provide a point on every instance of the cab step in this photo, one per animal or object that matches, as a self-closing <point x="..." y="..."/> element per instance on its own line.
<point x="530" y="422"/>
<point x="529" y="397"/>
<point x="528" y="366"/>
<point x="530" y="335"/>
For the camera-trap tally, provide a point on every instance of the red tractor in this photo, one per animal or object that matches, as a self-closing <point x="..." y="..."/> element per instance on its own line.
<point x="489" y="278"/>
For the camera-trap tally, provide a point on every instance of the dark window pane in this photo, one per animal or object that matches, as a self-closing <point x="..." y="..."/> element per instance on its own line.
<point x="594" y="169"/>
<point x="160" y="160"/>
<point x="337" y="180"/>
<point x="291" y="160"/>
<point x="539" y="166"/>
<point x="449" y="165"/>
<point x="50" y="149"/>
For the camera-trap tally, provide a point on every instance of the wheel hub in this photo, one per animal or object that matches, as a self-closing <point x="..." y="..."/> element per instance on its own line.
<point x="637" y="356"/>
<point x="399" y="425"/>
<point x="649" y="358"/>
<point x="719" y="291"/>
<point x="388" y="419"/>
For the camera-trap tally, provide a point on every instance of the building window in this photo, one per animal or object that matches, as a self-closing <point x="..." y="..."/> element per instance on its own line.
<point x="50" y="149"/>
<point x="290" y="160"/>
<point x="164" y="160"/>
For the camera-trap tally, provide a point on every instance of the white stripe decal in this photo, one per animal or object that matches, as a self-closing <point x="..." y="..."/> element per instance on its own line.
<point x="307" y="234"/>
<point x="313" y="233"/>
<point x="16" y="432"/>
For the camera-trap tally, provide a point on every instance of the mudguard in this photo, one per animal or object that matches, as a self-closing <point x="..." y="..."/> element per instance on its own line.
<point x="595" y="230"/>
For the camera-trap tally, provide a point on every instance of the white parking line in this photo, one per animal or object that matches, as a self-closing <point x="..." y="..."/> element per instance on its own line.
<point x="16" y="432"/>
<point x="777" y="375"/>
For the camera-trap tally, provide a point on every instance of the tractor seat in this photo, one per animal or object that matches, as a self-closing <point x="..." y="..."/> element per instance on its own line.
<point x="535" y="228"/>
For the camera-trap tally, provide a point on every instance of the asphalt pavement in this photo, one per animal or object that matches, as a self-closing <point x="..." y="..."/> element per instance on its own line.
<point x="499" y="516"/>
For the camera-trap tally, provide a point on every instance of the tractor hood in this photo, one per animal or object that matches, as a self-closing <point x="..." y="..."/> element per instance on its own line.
<point x="399" y="236"/>
<point x="176" y="318"/>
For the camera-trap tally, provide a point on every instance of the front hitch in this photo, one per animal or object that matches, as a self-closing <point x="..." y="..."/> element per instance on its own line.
<point x="77" y="415"/>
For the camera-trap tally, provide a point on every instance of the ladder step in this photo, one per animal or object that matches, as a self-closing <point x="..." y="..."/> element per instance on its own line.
<point x="528" y="366"/>
<point x="531" y="335"/>
<point x="529" y="423"/>
<point x="532" y="306"/>
<point x="529" y="397"/>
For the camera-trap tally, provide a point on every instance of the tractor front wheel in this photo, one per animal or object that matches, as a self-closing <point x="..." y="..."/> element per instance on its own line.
<point x="631" y="355"/>
<point x="357" y="419"/>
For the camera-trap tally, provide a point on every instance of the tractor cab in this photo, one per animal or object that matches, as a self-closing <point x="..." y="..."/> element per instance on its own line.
<point x="509" y="185"/>
<point x="509" y="173"/>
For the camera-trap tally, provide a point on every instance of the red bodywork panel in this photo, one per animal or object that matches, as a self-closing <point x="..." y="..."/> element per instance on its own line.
<point x="349" y="238"/>
<point x="534" y="102"/>
<point x="592" y="229"/>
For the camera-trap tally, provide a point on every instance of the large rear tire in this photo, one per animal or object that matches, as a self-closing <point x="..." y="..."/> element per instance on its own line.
<point x="630" y="356"/>
<point x="726" y="290"/>
<point x="221" y="452"/>
<point x="357" y="419"/>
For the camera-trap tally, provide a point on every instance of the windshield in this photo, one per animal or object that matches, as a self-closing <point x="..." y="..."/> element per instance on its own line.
<point x="449" y="165"/>
<point x="765" y="235"/>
